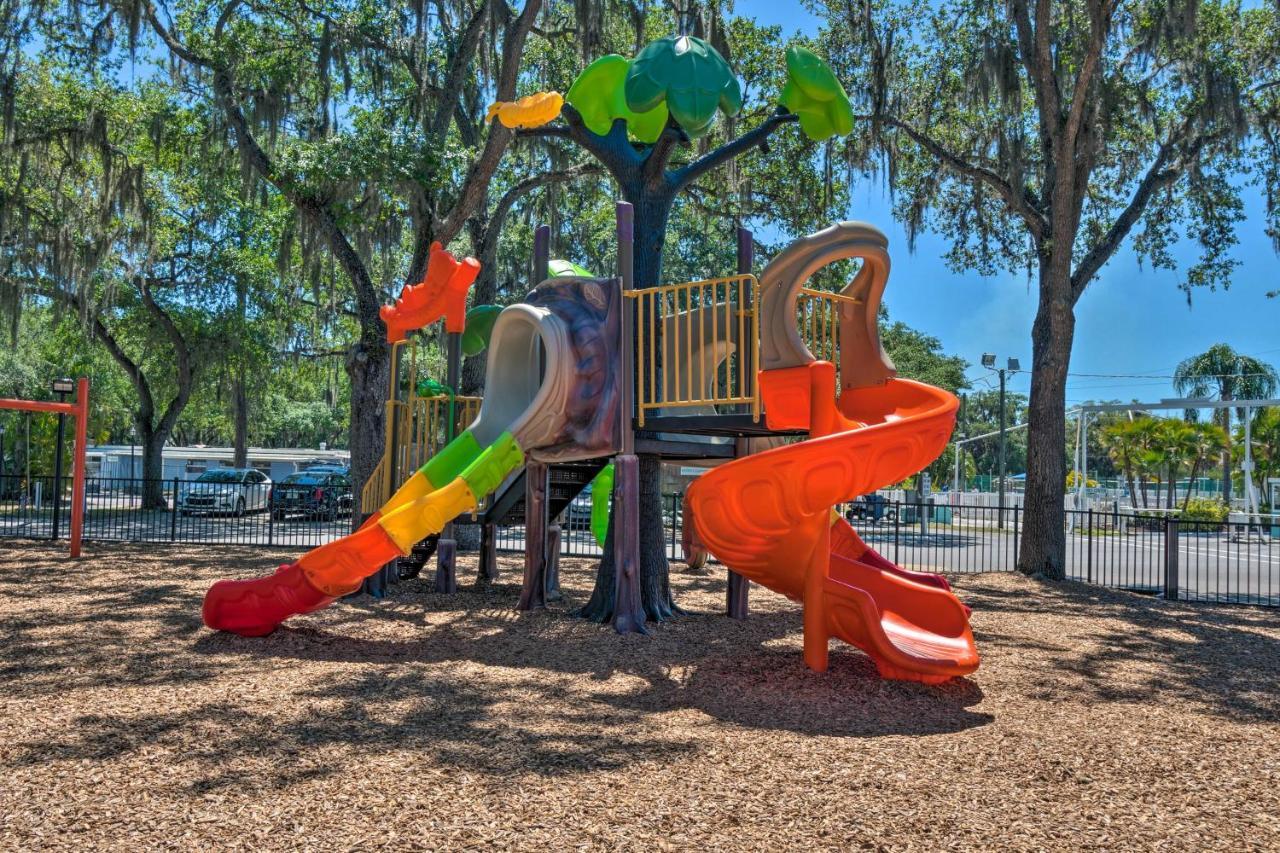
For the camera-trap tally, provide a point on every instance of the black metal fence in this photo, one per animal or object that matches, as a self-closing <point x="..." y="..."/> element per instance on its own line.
<point x="178" y="511"/>
<point x="1228" y="562"/>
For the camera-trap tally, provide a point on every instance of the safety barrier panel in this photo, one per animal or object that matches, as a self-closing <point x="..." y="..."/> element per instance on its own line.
<point x="818" y="320"/>
<point x="416" y="430"/>
<point x="697" y="345"/>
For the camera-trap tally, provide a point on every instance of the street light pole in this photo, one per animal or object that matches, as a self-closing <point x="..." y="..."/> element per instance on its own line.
<point x="989" y="361"/>
<point x="1002" y="449"/>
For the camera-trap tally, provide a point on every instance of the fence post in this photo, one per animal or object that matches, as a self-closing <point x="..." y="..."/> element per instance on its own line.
<point x="1016" y="537"/>
<point x="897" y="526"/>
<point x="1089" y="548"/>
<point x="173" y="513"/>
<point x="271" y="517"/>
<point x="1170" y="559"/>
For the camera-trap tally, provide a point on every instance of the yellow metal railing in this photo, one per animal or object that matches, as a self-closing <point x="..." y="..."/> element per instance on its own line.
<point x="416" y="431"/>
<point x="697" y="344"/>
<point x="818" y="320"/>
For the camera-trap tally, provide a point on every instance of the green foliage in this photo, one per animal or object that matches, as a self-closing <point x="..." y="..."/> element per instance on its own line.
<point x="559" y="268"/>
<point x="689" y="76"/>
<point x="1204" y="509"/>
<point x="816" y="96"/>
<point x="599" y="95"/>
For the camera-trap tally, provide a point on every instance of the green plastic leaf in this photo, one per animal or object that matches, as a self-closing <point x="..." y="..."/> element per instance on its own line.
<point x="689" y="76"/>
<point x="558" y="268"/>
<point x="480" y="320"/>
<point x="598" y="96"/>
<point x="601" y="493"/>
<point x="815" y="96"/>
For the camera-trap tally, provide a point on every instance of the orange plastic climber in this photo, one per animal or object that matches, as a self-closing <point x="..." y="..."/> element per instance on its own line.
<point x="442" y="292"/>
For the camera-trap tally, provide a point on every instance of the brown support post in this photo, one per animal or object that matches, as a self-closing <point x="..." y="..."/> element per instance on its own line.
<point x="737" y="595"/>
<point x="553" y="562"/>
<point x="628" y="612"/>
<point x="533" y="595"/>
<point x="447" y="548"/>
<point x="78" y="465"/>
<point x="488" y="553"/>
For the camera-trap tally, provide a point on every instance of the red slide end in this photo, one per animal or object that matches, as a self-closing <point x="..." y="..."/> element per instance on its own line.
<point x="256" y="607"/>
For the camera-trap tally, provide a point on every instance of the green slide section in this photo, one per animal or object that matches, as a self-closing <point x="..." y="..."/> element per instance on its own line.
<point x="492" y="466"/>
<point x="601" y="493"/>
<point x="451" y="460"/>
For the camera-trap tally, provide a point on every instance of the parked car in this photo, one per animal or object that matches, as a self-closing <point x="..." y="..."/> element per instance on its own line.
<point x="871" y="508"/>
<point x="225" y="491"/>
<point x="313" y="493"/>
<point x="329" y="468"/>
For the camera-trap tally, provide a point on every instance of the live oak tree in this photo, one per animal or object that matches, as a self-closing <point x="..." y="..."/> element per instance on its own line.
<point x="368" y="119"/>
<point x="1040" y="135"/>
<point x="101" y="218"/>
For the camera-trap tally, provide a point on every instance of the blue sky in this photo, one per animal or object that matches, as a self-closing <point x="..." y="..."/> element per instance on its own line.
<point x="1132" y="321"/>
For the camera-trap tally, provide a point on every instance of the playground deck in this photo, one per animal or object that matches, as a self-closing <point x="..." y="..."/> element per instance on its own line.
<point x="1097" y="720"/>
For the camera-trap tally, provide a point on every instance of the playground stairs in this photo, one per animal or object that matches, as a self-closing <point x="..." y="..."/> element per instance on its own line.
<point x="565" y="482"/>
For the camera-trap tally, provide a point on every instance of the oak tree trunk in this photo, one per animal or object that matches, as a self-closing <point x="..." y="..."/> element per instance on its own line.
<point x="1043" y="545"/>
<point x="152" y="449"/>
<point x="369" y="369"/>
<point x="240" y="418"/>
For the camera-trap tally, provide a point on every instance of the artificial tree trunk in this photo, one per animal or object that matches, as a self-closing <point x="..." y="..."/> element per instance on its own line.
<point x="652" y="209"/>
<point x="1043" y="545"/>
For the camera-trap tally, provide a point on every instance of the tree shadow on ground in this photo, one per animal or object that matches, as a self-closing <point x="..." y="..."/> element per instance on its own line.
<point x="467" y="683"/>
<point x="1127" y="648"/>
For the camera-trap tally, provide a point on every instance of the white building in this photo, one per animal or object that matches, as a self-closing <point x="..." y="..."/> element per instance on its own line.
<point x="187" y="463"/>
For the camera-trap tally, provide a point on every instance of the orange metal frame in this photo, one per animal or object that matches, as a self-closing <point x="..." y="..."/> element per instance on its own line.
<point x="79" y="409"/>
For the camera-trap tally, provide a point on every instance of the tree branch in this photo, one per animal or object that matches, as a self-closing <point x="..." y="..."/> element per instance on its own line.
<point x="686" y="175"/>
<point x="654" y="170"/>
<point x="458" y="64"/>
<point x="1018" y="200"/>
<point x="183" y="369"/>
<point x="476" y="182"/>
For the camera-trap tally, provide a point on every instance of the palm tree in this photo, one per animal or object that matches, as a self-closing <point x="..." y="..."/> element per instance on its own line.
<point x="1210" y="441"/>
<point x="1178" y="443"/>
<point x="1151" y="457"/>
<point x="1121" y="440"/>
<point x="1223" y="372"/>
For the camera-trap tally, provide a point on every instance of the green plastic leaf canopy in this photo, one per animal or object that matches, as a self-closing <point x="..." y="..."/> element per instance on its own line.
<point x="598" y="97"/>
<point x="815" y="95"/>
<point x="480" y="320"/>
<point x="689" y="76"/>
<point x="559" y="267"/>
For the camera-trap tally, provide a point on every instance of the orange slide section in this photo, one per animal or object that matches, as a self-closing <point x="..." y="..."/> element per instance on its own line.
<point x="769" y="517"/>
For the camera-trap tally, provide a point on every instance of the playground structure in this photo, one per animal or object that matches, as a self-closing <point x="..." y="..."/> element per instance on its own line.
<point x="79" y="409"/>
<point x="576" y="376"/>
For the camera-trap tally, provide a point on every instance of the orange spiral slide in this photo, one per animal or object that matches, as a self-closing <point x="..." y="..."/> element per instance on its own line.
<point x="770" y="516"/>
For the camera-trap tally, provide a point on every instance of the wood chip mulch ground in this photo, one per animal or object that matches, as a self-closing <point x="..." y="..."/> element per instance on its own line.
<point x="1098" y="720"/>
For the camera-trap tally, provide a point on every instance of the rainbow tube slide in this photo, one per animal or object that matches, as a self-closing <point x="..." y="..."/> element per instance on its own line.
<point x="531" y="376"/>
